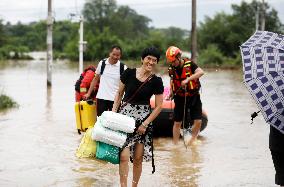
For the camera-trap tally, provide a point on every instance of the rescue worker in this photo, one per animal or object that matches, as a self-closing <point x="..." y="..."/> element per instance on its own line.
<point x="185" y="87"/>
<point x="83" y="83"/>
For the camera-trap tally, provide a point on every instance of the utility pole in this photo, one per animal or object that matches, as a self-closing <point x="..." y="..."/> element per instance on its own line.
<point x="263" y="16"/>
<point x="49" y="43"/>
<point x="193" y="32"/>
<point x="81" y="44"/>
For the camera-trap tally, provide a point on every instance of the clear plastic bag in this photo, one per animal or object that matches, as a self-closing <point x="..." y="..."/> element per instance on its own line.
<point x="118" y="122"/>
<point x="108" y="136"/>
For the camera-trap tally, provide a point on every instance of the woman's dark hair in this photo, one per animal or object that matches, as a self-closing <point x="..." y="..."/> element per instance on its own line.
<point x="152" y="51"/>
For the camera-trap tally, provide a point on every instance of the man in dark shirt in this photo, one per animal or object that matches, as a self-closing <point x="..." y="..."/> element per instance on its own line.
<point x="276" y="146"/>
<point x="185" y="86"/>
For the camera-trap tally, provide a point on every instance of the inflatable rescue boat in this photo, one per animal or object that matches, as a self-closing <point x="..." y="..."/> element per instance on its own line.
<point x="163" y="124"/>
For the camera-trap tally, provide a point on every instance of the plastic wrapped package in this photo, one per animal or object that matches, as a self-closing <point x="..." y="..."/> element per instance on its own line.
<point x="118" y="122"/>
<point x="108" y="136"/>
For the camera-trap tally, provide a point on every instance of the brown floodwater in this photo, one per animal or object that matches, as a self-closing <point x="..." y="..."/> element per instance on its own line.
<point x="38" y="140"/>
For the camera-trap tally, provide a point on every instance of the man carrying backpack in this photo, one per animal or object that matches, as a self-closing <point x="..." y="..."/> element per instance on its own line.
<point x="185" y="86"/>
<point x="107" y="75"/>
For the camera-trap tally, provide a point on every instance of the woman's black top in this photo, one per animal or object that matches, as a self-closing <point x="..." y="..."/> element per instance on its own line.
<point x="153" y="87"/>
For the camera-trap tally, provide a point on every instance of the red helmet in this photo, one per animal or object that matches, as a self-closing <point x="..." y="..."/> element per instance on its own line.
<point x="172" y="52"/>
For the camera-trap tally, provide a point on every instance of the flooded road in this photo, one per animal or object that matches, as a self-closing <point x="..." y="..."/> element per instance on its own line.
<point x="38" y="140"/>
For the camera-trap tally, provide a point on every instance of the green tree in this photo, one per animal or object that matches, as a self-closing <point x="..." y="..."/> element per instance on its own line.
<point x="18" y="30"/>
<point x="64" y="31"/>
<point x="97" y="13"/>
<point x="98" y="47"/>
<point x="177" y="37"/>
<point x="245" y="15"/>
<point x="228" y="32"/>
<point x="71" y="49"/>
<point x="35" y="39"/>
<point x="3" y="40"/>
<point x="111" y="24"/>
<point x="215" y="31"/>
<point x="131" y="24"/>
<point x="32" y="36"/>
<point x="211" y="55"/>
<point x="122" y="21"/>
<point x="2" y="34"/>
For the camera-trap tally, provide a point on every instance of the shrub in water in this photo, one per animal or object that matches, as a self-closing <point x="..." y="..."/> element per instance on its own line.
<point x="6" y="102"/>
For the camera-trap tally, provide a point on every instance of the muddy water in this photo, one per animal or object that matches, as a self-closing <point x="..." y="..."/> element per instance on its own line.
<point x="38" y="140"/>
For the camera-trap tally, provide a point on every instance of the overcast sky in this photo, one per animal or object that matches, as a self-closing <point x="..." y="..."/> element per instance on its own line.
<point x="163" y="13"/>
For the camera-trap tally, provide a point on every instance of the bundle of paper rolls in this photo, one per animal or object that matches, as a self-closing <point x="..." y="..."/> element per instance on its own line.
<point x="112" y="128"/>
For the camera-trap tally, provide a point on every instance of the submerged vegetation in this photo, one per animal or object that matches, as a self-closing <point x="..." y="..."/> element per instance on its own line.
<point x="6" y="102"/>
<point x="107" y="23"/>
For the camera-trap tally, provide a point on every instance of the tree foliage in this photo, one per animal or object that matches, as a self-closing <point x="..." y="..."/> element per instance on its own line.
<point x="2" y="34"/>
<point x="128" y="25"/>
<point x="97" y="13"/>
<point x="107" y="23"/>
<point x="228" y="31"/>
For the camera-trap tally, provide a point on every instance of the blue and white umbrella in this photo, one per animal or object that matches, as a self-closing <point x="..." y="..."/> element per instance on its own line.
<point x="263" y="66"/>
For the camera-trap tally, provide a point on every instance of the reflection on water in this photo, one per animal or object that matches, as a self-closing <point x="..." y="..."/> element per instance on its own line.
<point x="185" y="166"/>
<point x="48" y="103"/>
<point x="39" y="139"/>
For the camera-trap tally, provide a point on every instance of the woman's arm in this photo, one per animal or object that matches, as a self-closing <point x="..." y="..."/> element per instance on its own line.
<point x="118" y="96"/>
<point x="158" y="107"/>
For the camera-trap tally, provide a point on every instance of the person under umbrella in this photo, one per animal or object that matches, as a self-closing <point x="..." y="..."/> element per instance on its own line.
<point x="263" y="66"/>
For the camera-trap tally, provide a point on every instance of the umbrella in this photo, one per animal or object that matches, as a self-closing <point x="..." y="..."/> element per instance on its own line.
<point x="263" y="66"/>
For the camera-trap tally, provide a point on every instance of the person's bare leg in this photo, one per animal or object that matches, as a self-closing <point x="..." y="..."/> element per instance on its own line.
<point x="137" y="163"/>
<point x="123" y="166"/>
<point x="195" y="131"/>
<point x="176" y="132"/>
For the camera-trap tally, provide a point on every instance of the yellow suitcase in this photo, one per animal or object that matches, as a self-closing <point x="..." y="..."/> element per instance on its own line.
<point x="86" y="115"/>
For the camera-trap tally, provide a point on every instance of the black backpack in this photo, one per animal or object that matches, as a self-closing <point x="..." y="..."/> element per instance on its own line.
<point x="78" y="82"/>
<point x="104" y="65"/>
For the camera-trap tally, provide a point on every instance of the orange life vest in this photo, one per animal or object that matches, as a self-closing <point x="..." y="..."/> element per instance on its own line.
<point x="191" y="88"/>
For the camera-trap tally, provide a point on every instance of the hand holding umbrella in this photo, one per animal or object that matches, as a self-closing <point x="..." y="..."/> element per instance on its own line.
<point x="263" y="66"/>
